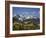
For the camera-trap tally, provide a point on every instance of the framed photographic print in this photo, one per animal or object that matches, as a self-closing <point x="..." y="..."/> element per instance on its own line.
<point x="24" y="18"/>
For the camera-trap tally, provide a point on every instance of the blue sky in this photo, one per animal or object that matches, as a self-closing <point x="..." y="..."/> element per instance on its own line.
<point x="26" y="11"/>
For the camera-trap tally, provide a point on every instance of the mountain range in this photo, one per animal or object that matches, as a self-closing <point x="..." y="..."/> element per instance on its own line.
<point x="21" y="18"/>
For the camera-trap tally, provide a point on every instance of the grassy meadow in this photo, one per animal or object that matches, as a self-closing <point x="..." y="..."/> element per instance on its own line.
<point x="25" y="26"/>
